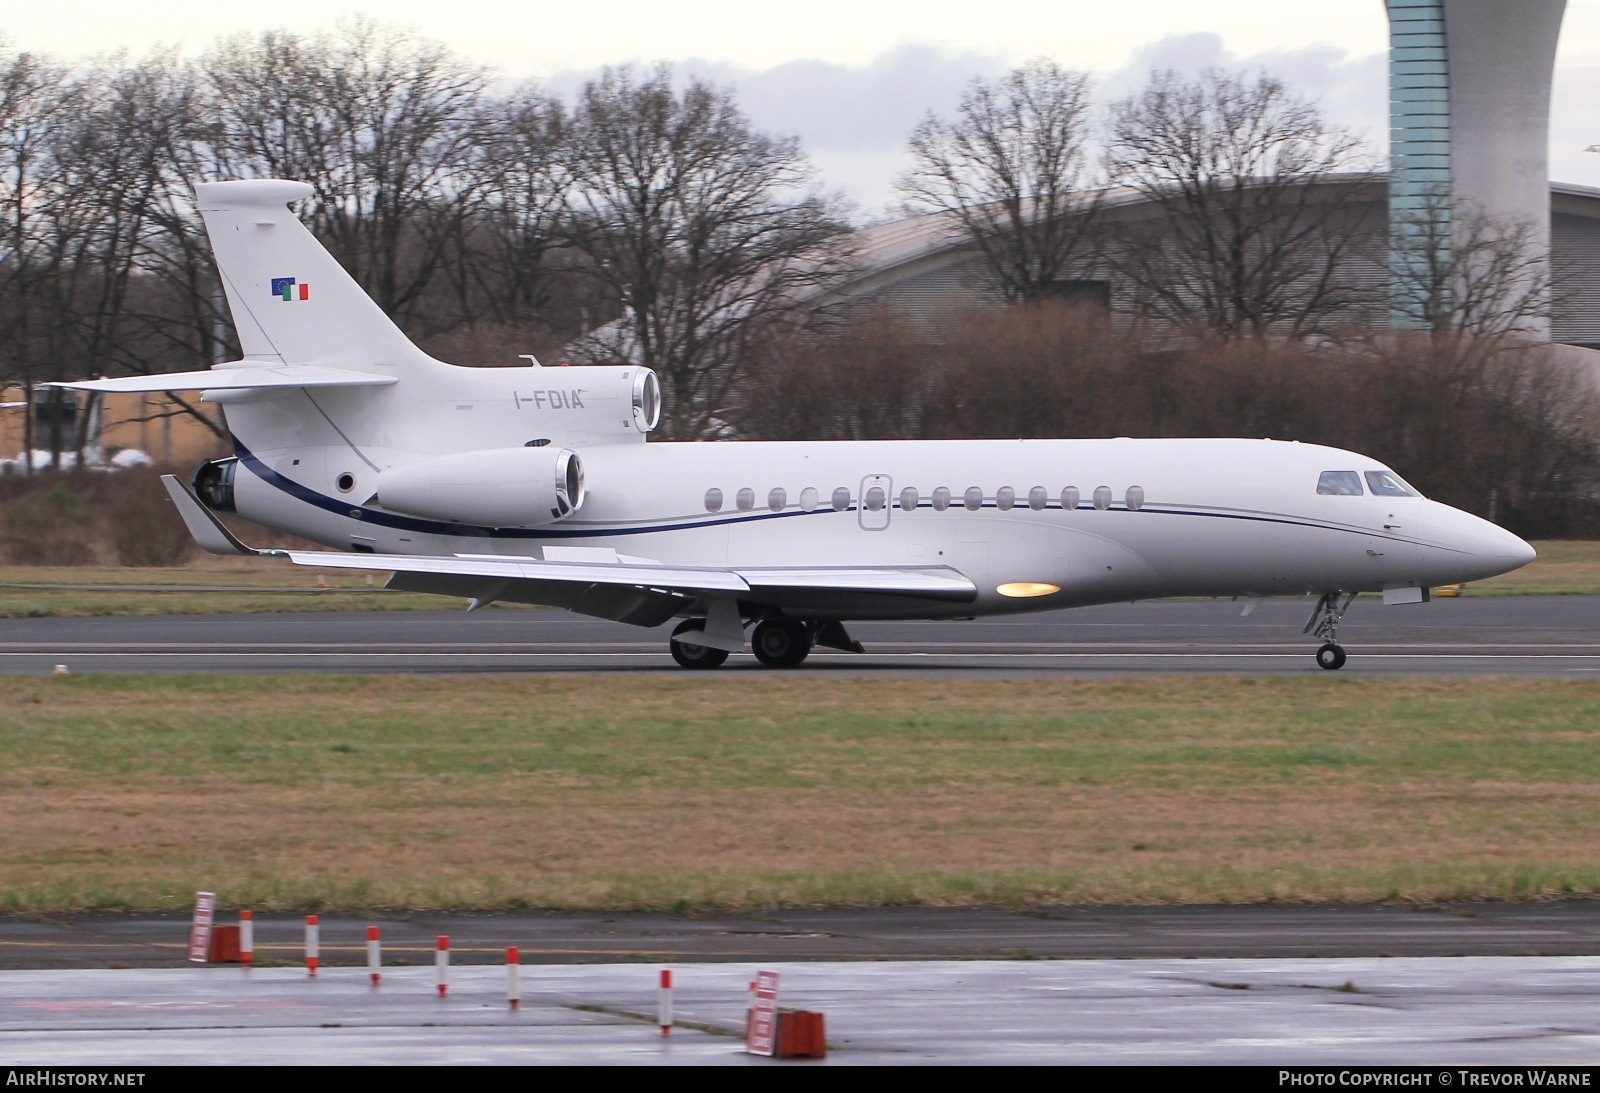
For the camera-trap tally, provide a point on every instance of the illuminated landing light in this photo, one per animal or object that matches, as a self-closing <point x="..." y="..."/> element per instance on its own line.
<point x="1021" y="590"/>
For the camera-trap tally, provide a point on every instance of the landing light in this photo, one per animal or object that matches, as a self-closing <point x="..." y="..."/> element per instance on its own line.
<point x="1021" y="590"/>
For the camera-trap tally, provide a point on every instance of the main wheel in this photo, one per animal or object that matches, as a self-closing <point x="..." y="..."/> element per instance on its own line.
<point x="1330" y="656"/>
<point x="781" y="642"/>
<point x="690" y="655"/>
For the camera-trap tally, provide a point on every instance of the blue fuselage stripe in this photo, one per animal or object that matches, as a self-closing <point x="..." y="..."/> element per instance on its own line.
<point x="380" y="518"/>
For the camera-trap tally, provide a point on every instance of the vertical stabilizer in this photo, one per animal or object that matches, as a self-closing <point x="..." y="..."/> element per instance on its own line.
<point x="291" y="301"/>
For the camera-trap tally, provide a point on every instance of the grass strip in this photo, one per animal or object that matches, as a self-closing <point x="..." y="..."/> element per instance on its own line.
<point x="211" y="586"/>
<point x="1563" y="568"/>
<point x="208" y="586"/>
<point x="638" y="791"/>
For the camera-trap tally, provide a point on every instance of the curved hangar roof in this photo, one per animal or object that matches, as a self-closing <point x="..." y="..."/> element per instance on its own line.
<point x="922" y="265"/>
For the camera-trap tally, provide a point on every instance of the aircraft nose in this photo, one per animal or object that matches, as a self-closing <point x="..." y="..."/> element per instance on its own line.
<point x="1495" y="542"/>
<point x="1519" y="550"/>
<point x="1475" y="547"/>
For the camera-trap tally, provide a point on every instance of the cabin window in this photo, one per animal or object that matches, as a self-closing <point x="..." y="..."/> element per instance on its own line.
<point x="941" y="498"/>
<point x="1134" y="498"/>
<point x="874" y="500"/>
<point x="908" y="499"/>
<point x="1069" y="498"/>
<point x="841" y="499"/>
<point x="810" y="498"/>
<point x="1038" y="498"/>
<point x="713" y="500"/>
<point x="745" y="499"/>
<point x="1102" y="497"/>
<point x="1339" y="484"/>
<point x="777" y="499"/>
<point x="1005" y="497"/>
<point x="973" y="499"/>
<point x="1389" y="484"/>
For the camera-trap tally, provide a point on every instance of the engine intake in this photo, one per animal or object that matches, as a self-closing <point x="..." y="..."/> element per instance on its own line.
<point x="213" y="483"/>
<point x="497" y="487"/>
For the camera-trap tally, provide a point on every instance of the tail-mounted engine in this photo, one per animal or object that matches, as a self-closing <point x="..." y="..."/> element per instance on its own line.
<point x="588" y="404"/>
<point x="213" y="483"/>
<point x="497" y="487"/>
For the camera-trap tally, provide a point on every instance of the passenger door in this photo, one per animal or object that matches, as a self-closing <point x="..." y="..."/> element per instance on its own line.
<point x="874" y="508"/>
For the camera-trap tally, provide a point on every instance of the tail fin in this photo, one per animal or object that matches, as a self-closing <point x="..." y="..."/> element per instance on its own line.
<point x="291" y="301"/>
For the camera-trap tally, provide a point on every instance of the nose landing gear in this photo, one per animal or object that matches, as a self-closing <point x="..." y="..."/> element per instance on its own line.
<point x="1324" y="623"/>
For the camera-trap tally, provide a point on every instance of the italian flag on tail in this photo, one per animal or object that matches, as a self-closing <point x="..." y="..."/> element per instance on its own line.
<point x="286" y="289"/>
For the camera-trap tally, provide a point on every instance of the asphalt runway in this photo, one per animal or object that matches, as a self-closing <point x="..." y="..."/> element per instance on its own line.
<point x="1515" y="635"/>
<point x="1551" y="928"/>
<point x="1411" y="1012"/>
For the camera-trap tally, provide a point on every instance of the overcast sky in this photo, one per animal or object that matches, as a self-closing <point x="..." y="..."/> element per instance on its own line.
<point x="852" y="78"/>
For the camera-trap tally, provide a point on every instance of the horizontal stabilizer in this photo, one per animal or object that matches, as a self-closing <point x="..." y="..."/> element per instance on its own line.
<point x="240" y="376"/>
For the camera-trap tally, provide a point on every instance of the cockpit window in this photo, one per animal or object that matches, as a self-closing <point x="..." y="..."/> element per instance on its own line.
<point x="1340" y="483"/>
<point x="1389" y="484"/>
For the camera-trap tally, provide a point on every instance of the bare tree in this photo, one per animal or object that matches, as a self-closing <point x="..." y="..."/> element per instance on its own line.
<point x="1460" y="273"/>
<point x="118" y="188"/>
<point x="700" y="227"/>
<point x="380" y="123"/>
<point x="865" y="375"/>
<point x="1243" y="241"/>
<point x="1011" y="171"/>
<point x="522" y="167"/>
<point x="37" y="98"/>
<point x="169" y="311"/>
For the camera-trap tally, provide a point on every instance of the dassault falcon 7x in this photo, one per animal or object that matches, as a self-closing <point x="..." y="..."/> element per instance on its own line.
<point x="536" y="485"/>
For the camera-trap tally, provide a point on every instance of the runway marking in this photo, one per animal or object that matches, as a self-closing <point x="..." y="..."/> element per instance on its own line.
<point x="888" y="647"/>
<point x="856" y="658"/>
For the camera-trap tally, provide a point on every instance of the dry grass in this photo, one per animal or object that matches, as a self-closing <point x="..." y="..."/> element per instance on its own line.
<point x="206" y="585"/>
<point x="1564" y="567"/>
<point x="611" y="792"/>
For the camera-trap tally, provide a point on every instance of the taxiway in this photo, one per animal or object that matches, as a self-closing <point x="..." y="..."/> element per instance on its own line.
<point x="1544" y="635"/>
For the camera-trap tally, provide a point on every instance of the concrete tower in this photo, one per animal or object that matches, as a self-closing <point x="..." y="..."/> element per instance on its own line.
<point x="1469" y="115"/>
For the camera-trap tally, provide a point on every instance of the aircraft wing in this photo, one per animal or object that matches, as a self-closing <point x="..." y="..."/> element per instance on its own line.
<point x="636" y="591"/>
<point x="238" y="376"/>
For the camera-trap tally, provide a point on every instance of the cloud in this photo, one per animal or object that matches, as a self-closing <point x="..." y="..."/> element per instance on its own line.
<point x="844" y="108"/>
<point x="1573" y="126"/>
<point x="853" y="120"/>
<point x="1353" y="92"/>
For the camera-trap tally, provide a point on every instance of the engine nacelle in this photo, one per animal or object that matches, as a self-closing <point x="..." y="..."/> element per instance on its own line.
<point x="498" y="487"/>
<point x="587" y="404"/>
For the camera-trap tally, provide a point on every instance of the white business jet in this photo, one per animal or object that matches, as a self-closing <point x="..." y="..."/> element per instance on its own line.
<point x="535" y="485"/>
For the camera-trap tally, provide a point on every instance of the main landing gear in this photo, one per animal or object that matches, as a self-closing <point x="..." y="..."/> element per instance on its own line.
<point x="1324" y="623"/>
<point x="689" y="655"/>
<point x="781" y="642"/>
<point x="778" y="641"/>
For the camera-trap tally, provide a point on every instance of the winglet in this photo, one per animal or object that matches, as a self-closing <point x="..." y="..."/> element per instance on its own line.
<point x="207" y="530"/>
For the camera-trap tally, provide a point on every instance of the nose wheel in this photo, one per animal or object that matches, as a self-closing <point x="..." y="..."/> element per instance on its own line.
<point x="1324" y="623"/>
